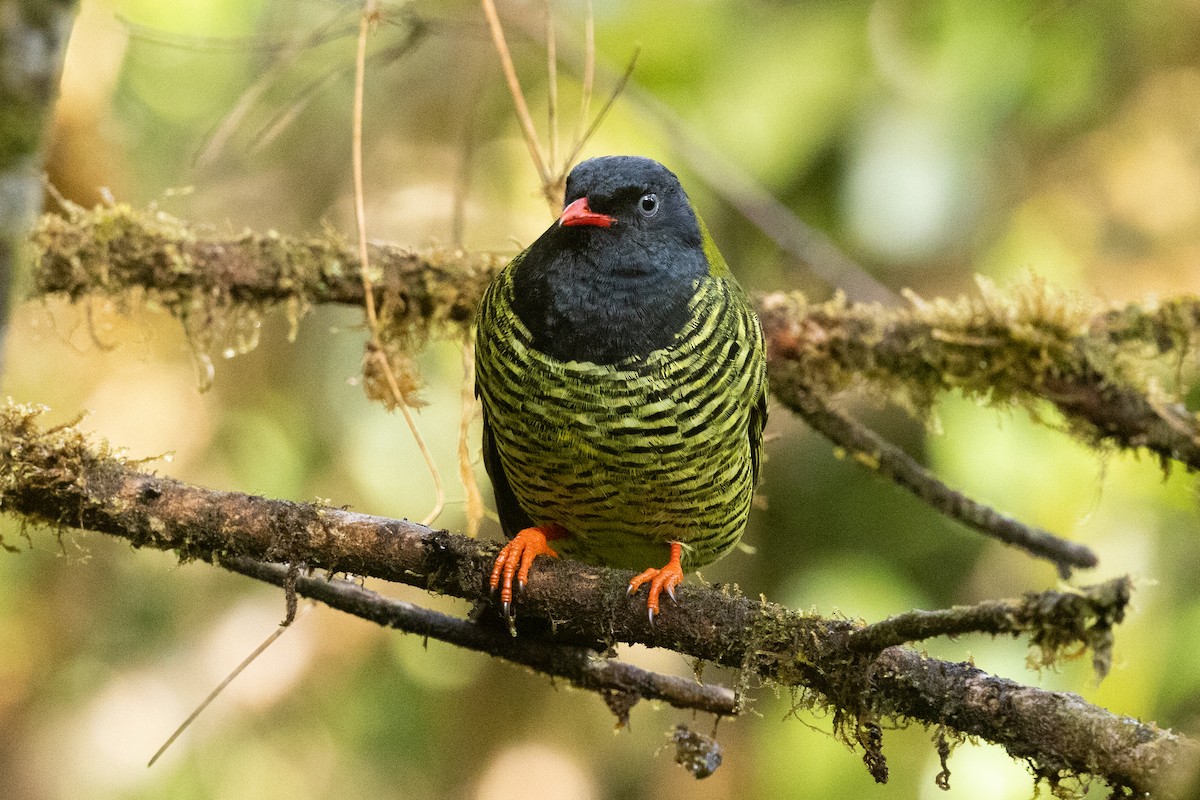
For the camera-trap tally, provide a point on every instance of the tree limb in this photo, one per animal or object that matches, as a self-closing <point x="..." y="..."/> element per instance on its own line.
<point x="1031" y="343"/>
<point x="620" y="684"/>
<point x="57" y="476"/>
<point x="1081" y="617"/>
<point x="873" y="451"/>
<point x="1023" y="346"/>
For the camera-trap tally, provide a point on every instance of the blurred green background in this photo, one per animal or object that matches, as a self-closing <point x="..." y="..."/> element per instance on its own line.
<point x="930" y="140"/>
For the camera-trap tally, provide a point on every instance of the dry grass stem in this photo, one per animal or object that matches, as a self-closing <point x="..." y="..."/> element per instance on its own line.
<point x="375" y="348"/>
<point x="518" y="96"/>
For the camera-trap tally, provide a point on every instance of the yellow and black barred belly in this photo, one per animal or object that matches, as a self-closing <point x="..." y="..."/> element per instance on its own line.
<point x="629" y="456"/>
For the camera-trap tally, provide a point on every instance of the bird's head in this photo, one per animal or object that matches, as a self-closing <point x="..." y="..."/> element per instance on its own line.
<point x="638" y="201"/>
<point x="616" y="275"/>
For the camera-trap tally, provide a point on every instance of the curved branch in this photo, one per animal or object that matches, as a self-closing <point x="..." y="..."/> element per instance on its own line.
<point x="873" y="451"/>
<point x="621" y="684"/>
<point x="57" y="476"/>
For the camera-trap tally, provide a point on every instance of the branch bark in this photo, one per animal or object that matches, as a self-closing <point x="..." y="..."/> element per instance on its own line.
<point x="58" y="477"/>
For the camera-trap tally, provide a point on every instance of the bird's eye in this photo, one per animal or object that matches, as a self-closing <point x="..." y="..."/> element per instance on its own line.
<point x="648" y="205"/>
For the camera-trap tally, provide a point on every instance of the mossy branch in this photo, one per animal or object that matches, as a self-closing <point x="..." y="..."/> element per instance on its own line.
<point x="1100" y="367"/>
<point x="1095" y="363"/>
<point x="58" y="477"/>
<point x="1080" y="619"/>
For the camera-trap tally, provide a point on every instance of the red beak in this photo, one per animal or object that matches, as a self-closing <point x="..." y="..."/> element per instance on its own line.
<point x="578" y="213"/>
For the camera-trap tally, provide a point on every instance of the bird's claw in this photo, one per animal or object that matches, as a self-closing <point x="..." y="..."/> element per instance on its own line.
<point x="513" y="564"/>
<point x="660" y="580"/>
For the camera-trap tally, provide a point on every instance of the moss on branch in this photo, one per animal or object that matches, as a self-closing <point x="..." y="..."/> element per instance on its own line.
<point x="1103" y="367"/>
<point x="1059" y="623"/>
<point x="56" y="476"/>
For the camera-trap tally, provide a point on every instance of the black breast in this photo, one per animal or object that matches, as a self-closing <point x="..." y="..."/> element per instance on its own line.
<point x="594" y="298"/>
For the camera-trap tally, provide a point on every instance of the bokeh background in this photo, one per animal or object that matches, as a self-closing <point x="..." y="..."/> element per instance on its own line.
<point x="930" y="140"/>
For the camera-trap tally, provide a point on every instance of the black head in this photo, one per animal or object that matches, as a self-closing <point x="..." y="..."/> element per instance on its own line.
<point x="638" y="198"/>
<point x="614" y="277"/>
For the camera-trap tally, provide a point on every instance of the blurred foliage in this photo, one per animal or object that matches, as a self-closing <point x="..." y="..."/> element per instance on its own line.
<point x="932" y="140"/>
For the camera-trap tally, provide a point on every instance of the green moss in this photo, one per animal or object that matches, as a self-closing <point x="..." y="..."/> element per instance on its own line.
<point x="221" y="288"/>
<point x="1011" y="348"/>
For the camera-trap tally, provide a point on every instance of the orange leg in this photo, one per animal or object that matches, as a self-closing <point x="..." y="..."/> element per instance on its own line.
<point x="517" y="557"/>
<point x="666" y="578"/>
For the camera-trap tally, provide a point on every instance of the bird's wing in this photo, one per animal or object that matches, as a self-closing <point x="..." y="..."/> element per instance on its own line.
<point x="512" y="517"/>
<point x="758" y="421"/>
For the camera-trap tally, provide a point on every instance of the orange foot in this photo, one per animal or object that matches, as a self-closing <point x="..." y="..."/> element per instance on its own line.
<point x="517" y="557"/>
<point x="666" y="578"/>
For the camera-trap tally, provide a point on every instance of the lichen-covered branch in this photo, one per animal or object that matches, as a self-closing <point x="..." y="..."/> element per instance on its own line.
<point x="57" y="477"/>
<point x="1057" y="620"/>
<point x="1100" y="366"/>
<point x="120" y="252"/>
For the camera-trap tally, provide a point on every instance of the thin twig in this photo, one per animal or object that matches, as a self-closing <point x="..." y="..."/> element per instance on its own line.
<point x="289" y="52"/>
<point x="872" y="450"/>
<point x="356" y="154"/>
<point x="518" y="96"/>
<point x="589" y="71"/>
<point x="582" y="666"/>
<point x="612" y="98"/>
<point x="224" y="684"/>
<point x="466" y="465"/>
<point x="552" y="86"/>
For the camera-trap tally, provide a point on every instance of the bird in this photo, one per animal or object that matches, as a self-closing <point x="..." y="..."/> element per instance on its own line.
<point x="621" y="371"/>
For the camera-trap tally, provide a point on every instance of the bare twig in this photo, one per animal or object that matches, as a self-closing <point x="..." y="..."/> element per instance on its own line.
<point x="589" y="70"/>
<point x="552" y="85"/>
<point x="608" y="104"/>
<point x="518" y="96"/>
<point x="224" y="684"/>
<point x="582" y="666"/>
<point x="466" y="465"/>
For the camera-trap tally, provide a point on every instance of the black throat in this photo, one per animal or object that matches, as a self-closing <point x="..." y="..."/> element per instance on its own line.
<point x="587" y="295"/>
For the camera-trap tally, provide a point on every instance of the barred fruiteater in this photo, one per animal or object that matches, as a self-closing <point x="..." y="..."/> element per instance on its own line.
<point x="622" y="375"/>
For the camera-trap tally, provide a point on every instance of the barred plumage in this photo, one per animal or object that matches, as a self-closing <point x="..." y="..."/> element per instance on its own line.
<point x="623" y="397"/>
